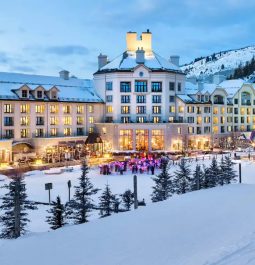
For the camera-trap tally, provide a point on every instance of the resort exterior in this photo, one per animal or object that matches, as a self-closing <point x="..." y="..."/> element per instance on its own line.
<point x="138" y="102"/>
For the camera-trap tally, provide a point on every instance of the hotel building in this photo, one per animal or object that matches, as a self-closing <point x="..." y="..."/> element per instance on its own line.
<point x="137" y="102"/>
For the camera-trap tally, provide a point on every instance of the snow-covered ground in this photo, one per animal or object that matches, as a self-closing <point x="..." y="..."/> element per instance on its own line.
<point x="207" y="227"/>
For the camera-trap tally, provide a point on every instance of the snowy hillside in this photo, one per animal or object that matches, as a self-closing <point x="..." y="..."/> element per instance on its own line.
<point x="225" y="62"/>
<point x="205" y="227"/>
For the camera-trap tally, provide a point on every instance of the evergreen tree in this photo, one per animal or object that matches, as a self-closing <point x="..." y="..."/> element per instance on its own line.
<point x="222" y="172"/>
<point x="182" y="179"/>
<point x="14" y="206"/>
<point x="163" y="188"/>
<point x="206" y="178"/>
<point x="230" y="173"/>
<point x="214" y="173"/>
<point x="116" y="203"/>
<point x="127" y="199"/>
<point x="56" y="218"/>
<point x="197" y="180"/>
<point x="81" y="205"/>
<point x="106" y="204"/>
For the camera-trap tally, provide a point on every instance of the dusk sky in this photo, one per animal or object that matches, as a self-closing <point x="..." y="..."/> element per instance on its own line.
<point x="46" y="36"/>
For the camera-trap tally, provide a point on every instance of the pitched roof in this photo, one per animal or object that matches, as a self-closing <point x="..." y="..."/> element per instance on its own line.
<point x="127" y="61"/>
<point x="73" y="89"/>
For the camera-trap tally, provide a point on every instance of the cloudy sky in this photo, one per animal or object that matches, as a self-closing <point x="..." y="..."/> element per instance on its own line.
<point x="46" y="36"/>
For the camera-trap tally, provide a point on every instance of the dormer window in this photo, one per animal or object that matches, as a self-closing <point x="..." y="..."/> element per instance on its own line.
<point x="24" y="93"/>
<point x="39" y="94"/>
<point x="54" y="94"/>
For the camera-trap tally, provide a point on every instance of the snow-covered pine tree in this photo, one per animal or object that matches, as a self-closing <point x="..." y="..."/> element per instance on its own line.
<point x="56" y="219"/>
<point x="163" y="188"/>
<point x="222" y="172"/>
<point x="214" y="173"/>
<point x="127" y="199"/>
<point x="15" y="206"/>
<point x="206" y="176"/>
<point x="182" y="179"/>
<point x="81" y="205"/>
<point x="116" y="203"/>
<point x="106" y="203"/>
<point x="230" y="173"/>
<point x="197" y="180"/>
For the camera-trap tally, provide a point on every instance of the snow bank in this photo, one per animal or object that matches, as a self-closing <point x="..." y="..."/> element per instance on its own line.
<point x="197" y="228"/>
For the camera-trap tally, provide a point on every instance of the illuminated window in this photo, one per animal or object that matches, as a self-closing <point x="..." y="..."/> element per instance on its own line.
<point x="125" y="139"/>
<point x="53" y="109"/>
<point x="215" y="110"/>
<point x="24" y="133"/>
<point x="91" y="119"/>
<point x="156" y="109"/>
<point x="109" y="109"/>
<point x="156" y="119"/>
<point x="91" y="108"/>
<point x="125" y="109"/>
<point x="24" y="120"/>
<point x="172" y="109"/>
<point x="181" y="109"/>
<point x="157" y="139"/>
<point x="67" y="120"/>
<point x="142" y="140"/>
<point x="140" y="119"/>
<point x="199" y="120"/>
<point x="80" y="109"/>
<point x="215" y="120"/>
<point x="67" y="131"/>
<point x="24" y="108"/>
<point x="191" y="129"/>
<point x="53" y="120"/>
<point x="179" y="130"/>
<point x="125" y="119"/>
<point x="39" y="133"/>
<point x="215" y="129"/>
<point x="39" y="108"/>
<point x="67" y="109"/>
<point x="8" y="108"/>
<point x="141" y="109"/>
<point x="80" y="120"/>
<point x="91" y="129"/>
<point x="53" y="132"/>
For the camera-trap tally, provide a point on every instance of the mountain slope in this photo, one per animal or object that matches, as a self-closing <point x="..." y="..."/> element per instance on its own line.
<point x="198" y="228"/>
<point x="224" y="62"/>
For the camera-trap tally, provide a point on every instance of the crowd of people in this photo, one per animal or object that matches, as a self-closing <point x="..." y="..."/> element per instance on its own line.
<point x="135" y="165"/>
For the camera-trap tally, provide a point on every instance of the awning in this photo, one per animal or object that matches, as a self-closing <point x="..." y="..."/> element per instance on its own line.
<point x="62" y="143"/>
<point x="71" y="143"/>
<point x="94" y="138"/>
<point x="80" y="142"/>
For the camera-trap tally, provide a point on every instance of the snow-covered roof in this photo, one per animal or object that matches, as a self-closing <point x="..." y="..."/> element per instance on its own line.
<point x="73" y="89"/>
<point x="232" y="86"/>
<point x="186" y="99"/>
<point x="127" y="61"/>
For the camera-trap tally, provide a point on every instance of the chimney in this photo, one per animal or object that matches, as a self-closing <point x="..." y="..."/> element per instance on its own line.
<point x="175" y="59"/>
<point x="140" y="59"/>
<point x="102" y="60"/>
<point x="218" y="78"/>
<point x="64" y="74"/>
